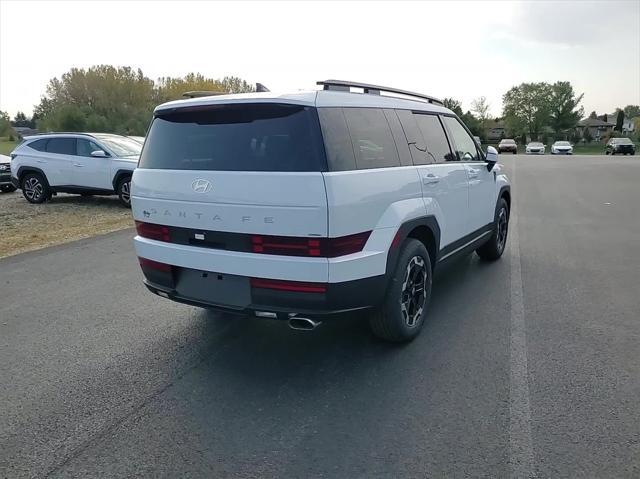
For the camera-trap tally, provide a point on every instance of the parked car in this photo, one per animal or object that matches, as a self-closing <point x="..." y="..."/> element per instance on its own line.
<point x="562" y="148"/>
<point x="535" y="148"/>
<point x="88" y="164"/>
<point x="309" y="205"/>
<point x="507" y="145"/>
<point x="622" y="146"/>
<point x="5" y="175"/>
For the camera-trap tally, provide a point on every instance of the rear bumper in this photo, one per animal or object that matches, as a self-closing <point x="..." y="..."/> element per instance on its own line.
<point x="339" y="299"/>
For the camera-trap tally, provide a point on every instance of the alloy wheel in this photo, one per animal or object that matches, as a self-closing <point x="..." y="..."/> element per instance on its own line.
<point x="414" y="291"/>
<point x="125" y="192"/>
<point x="502" y="229"/>
<point x="33" y="189"/>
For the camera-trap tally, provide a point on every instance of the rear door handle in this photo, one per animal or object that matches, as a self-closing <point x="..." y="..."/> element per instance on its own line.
<point x="78" y="165"/>
<point x="473" y="174"/>
<point x="40" y="161"/>
<point x="430" y="179"/>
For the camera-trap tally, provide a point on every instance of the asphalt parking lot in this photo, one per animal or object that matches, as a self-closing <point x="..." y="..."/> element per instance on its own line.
<point x="526" y="367"/>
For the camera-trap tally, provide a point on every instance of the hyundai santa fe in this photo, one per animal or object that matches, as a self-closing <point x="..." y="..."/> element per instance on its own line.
<point x="305" y="206"/>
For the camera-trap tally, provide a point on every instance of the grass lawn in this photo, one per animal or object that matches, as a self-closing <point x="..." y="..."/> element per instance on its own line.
<point x="590" y="149"/>
<point x="7" y="146"/>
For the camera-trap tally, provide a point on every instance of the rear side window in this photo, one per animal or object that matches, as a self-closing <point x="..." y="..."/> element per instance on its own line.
<point x="465" y="146"/>
<point x="414" y="137"/>
<point x="236" y="137"/>
<point x="39" y="145"/>
<point x="371" y="137"/>
<point x="433" y="133"/>
<point x="337" y="142"/>
<point x="62" y="146"/>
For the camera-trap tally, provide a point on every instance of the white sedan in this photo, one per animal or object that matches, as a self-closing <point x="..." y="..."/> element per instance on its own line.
<point x="535" y="148"/>
<point x="562" y="148"/>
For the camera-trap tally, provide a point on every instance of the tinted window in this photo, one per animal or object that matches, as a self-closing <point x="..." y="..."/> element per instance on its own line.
<point x="414" y="137"/>
<point x="465" y="146"/>
<point x="40" y="145"/>
<point x="399" y="137"/>
<point x="237" y="137"/>
<point x="85" y="147"/>
<point x="435" y="138"/>
<point x="337" y="142"/>
<point x="120" y="145"/>
<point x="371" y="137"/>
<point x="62" y="146"/>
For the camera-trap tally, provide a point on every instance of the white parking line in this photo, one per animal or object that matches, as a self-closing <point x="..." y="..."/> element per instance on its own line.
<point x="521" y="462"/>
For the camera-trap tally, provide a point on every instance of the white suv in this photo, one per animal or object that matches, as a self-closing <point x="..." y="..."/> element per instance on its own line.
<point x="88" y="164"/>
<point x="307" y="205"/>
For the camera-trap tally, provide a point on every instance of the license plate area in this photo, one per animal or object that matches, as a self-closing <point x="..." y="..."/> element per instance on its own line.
<point x="215" y="288"/>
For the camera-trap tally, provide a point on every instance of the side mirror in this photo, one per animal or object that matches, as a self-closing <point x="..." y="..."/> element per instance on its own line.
<point x="492" y="157"/>
<point x="98" y="154"/>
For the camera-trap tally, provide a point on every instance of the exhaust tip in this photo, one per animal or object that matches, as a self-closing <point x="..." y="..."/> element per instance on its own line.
<point x="303" y="324"/>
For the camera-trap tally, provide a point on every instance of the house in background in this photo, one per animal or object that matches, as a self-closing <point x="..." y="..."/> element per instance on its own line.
<point x="23" y="131"/>
<point x="597" y="128"/>
<point x="495" y="130"/>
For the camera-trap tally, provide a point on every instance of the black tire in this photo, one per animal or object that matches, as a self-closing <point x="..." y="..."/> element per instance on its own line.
<point x="401" y="316"/>
<point x="124" y="191"/>
<point x="515" y="152"/>
<point x="7" y="188"/>
<point x="613" y="152"/>
<point x="493" y="249"/>
<point x="35" y="188"/>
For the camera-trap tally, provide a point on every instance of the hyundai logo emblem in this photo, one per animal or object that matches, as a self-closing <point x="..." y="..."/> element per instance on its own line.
<point x="201" y="186"/>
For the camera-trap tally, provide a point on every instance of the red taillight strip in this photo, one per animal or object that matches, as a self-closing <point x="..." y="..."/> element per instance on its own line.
<point x="149" y="263"/>
<point x="153" y="231"/>
<point x="282" y="285"/>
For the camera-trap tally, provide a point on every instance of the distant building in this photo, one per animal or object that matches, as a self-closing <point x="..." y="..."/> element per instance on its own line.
<point x="23" y="131"/>
<point x="597" y="128"/>
<point x="495" y="130"/>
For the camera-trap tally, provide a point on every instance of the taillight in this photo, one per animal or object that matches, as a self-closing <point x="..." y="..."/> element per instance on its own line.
<point x="285" y="245"/>
<point x="313" y="247"/>
<point x="295" y="286"/>
<point x="346" y="244"/>
<point x="153" y="231"/>
<point x="155" y="265"/>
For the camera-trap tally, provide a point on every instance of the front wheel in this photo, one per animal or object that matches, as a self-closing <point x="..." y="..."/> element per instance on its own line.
<point x="35" y="189"/>
<point x="402" y="314"/>
<point x="124" y="191"/>
<point x="493" y="249"/>
<point x="7" y="188"/>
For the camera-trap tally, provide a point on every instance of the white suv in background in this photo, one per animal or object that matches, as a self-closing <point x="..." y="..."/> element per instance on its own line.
<point x="88" y="164"/>
<point x="308" y="205"/>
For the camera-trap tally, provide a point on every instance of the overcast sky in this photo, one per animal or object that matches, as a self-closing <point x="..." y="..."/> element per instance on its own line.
<point x="453" y="49"/>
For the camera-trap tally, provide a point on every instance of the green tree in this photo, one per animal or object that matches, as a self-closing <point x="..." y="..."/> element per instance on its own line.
<point x="631" y="111"/>
<point x="527" y="108"/>
<point x="480" y="106"/>
<point x="5" y="124"/>
<point x="453" y="105"/>
<point x="586" y="136"/>
<point x="21" y="120"/>
<point x="619" y="121"/>
<point x="565" y="112"/>
<point x="593" y="115"/>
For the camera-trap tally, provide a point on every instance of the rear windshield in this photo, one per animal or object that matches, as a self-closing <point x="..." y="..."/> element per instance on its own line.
<point x="237" y="137"/>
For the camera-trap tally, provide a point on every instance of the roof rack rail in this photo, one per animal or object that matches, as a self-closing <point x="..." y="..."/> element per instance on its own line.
<point x="342" y="85"/>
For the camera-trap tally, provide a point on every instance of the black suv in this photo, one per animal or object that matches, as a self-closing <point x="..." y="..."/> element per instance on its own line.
<point x="620" y="146"/>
